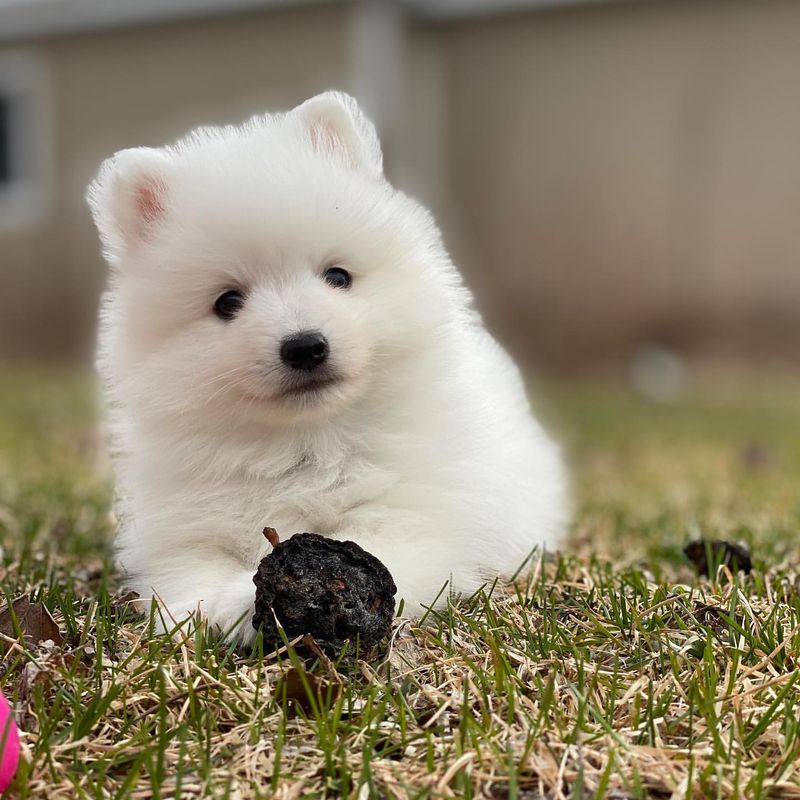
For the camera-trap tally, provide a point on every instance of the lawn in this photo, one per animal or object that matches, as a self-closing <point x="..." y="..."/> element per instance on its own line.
<point x="608" y="671"/>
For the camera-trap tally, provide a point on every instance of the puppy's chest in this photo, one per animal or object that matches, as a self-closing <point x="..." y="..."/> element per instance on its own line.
<point x="314" y="497"/>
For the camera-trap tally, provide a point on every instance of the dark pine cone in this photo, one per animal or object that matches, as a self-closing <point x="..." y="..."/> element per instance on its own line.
<point x="335" y="591"/>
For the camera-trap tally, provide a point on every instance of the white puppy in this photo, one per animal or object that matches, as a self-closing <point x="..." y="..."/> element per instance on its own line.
<point x="286" y="342"/>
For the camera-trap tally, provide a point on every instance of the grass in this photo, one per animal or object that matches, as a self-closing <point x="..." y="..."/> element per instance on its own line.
<point x="610" y="672"/>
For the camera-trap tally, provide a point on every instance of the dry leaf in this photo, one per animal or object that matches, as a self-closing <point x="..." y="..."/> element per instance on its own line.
<point x="31" y="676"/>
<point x="127" y="599"/>
<point x="34" y="621"/>
<point x="305" y="689"/>
<point x="310" y="643"/>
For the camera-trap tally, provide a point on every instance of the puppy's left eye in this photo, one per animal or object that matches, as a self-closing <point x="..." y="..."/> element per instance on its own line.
<point x="337" y="277"/>
<point x="228" y="304"/>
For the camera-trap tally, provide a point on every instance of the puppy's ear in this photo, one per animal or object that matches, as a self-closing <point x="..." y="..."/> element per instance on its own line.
<point x="336" y="127"/>
<point x="129" y="198"/>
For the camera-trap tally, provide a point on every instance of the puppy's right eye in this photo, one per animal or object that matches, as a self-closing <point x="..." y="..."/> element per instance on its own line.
<point x="228" y="304"/>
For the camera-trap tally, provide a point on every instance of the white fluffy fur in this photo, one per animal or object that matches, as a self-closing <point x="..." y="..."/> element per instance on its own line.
<point x="425" y="453"/>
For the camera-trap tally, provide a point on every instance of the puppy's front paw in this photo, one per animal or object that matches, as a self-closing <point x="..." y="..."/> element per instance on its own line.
<point x="227" y="607"/>
<point x="231" y="611"/>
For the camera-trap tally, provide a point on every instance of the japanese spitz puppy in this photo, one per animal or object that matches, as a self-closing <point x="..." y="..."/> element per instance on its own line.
<point x="285" y="342"/>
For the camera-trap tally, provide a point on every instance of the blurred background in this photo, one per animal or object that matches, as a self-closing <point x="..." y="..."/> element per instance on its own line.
<point x="619" y="181"/>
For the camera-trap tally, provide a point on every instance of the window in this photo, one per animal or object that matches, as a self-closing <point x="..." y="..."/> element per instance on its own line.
<point x="23" y="139"/>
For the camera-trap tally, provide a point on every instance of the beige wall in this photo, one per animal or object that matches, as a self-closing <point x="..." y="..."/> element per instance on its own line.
<point x="632" y="171"/>
<point x="144" y="86"/>
<point x="607" y="174"/>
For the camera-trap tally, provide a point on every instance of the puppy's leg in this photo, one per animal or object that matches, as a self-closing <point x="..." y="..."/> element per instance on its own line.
<point x="427" y="564"/>
<point x="217" y="589"/>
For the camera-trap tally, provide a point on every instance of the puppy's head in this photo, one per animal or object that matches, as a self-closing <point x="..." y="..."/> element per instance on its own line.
<point x="264" y="271"/>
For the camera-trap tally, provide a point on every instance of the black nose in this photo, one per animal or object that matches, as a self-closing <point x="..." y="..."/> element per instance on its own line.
<point x="305" y="351"/>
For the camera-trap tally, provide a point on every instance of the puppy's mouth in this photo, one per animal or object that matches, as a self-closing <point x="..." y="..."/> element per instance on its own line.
<point x="309" y="386"/>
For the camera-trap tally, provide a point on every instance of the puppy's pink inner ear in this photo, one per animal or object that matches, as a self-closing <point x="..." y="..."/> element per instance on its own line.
<point x="150" y="199"/>
<point x="326" y="141"/>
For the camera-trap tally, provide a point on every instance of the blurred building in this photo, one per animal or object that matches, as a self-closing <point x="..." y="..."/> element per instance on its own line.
<point x="608" y="174"/>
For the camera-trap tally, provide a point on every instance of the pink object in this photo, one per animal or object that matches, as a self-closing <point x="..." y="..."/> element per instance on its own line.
<point x="9" y="744"/>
